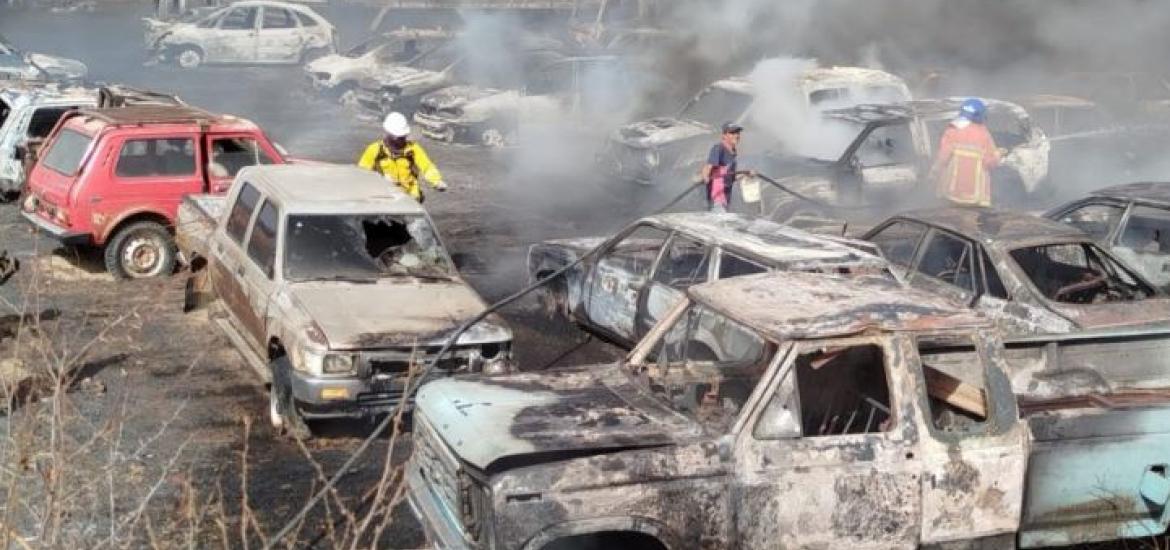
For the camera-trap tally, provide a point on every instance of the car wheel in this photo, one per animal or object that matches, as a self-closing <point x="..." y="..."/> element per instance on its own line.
<point x="140" y="251"/>
<point x="189" y="58"/>
<point x="282" y="411"/>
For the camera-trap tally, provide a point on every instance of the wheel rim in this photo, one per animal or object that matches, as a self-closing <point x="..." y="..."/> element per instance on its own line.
<point x="493" y="138"/>
<point x="188" y="59"/>
<point x="142" y="257"/>
<point x="274" y="409"/>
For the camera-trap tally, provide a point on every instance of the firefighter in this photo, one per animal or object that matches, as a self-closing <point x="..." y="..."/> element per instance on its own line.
<point x="401" y="160"/>
<point x="966" y="155"/>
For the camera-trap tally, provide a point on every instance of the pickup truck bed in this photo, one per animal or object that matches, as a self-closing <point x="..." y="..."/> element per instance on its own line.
<point x="195" y="224"/>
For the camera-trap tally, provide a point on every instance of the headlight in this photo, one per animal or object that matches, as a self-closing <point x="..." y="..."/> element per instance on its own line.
<point x="652" y="159"/>
<point x="336" y="363"/>
<point x="495" y="358"/>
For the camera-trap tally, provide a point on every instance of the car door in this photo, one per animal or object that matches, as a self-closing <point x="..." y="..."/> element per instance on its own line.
<point x="228" y="154"/>
<point x="685" y="261"/>
<point x="281" y="38"/>
<point x="617" y="278"/>
<point x="151" y="173"/>
<point x="975" y="450"/>
<point x="227" y="264"/>
<point x="259" y="270"/>
<point x="827" y="460"/>
<point x="235" y="39"/>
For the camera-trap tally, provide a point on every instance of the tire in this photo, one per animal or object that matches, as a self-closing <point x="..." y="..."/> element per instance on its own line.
<point x="140" y="250"/>
<point x="189" y="57"/>
<point x="282" y="410"/>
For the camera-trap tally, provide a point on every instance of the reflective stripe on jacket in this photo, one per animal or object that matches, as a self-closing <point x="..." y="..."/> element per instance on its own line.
<point x="963" y="167"/>
<point x="404" y="167"/>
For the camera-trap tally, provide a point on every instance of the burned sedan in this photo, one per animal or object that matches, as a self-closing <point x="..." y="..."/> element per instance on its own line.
<point x="634" y="277"/>
<point x="1132" y="221"/>
<point x="1032" y="275"/>
<point x="333" y="299"/>
<point x="337" y="74"/>
<point x="566" y="93"/>
<point x="251" y="32"/>
<point x="16" y="64"/>
<point x="784" y="410"/>
<point x="400" y="86"/>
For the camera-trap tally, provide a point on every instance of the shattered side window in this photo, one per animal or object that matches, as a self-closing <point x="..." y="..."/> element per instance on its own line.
<point x="685" y="263"/>
<point x="232" y="154"/>
<point x="1098" y="220"/>
<point x="956" y="383"/>
<point x="636" y="253"/>
<point x="239" y="19"/>
<point x="708" y="366"/>
<point x="948" y="259"/>
<point x="898" y="241"/>
<point x="305" y="20"/>
<point x="1147" y="230"/>
<point x="839" y="391"/>
<point x="1079" y="273"/>
<point x="731" y="265"/>
<point x="276" y="18"/>
<point x="363" y="248"/>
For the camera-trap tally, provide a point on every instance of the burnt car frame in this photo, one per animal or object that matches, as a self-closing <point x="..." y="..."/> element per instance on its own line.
<point x="977" y="256"/>
<point x="787" y="409"/>
<point x="631" y="279"/>
<point x="1131" y="220"/>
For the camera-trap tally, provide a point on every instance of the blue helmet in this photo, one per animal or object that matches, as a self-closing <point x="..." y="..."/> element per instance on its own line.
<point x="973" y="110"/>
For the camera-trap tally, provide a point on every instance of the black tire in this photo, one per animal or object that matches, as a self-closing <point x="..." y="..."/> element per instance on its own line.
<point x="141" y="250"/>
<point x="282" y="411"/>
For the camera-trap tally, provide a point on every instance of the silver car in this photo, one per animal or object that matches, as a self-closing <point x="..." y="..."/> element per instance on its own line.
<point x="253" y="31"/>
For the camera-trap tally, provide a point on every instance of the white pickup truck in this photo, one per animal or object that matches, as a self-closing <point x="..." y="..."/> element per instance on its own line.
<point x="335" y="285"/>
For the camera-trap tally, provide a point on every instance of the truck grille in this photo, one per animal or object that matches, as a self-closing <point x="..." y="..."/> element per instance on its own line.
<point x="437" y="465"/>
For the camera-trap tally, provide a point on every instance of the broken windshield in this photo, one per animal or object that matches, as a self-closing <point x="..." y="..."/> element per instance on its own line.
<point x="716" y="106"/>
<point x="706" y="367"/>
<point x="363" y="248"/>
<point x="1079" y="273"/>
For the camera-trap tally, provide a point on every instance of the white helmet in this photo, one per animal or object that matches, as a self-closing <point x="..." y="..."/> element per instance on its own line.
<point x="395" y="125"/>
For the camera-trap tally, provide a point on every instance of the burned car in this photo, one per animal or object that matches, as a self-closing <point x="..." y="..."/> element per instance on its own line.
<point x="634" y="277"/>
<point x="1030" y="274"/>
<point x="252" y="32"/>
<point x="879" y="154"/>
<point x="566" y="92"/>
<point x="333" y="299"/>
<point x="1132" y="221"/>
<point x="644" y="151"/>
<point x="16" y="64"/>
<point x="336" y="74"/>
<point x="400" y="87"/>
<point x="784" y="410"/>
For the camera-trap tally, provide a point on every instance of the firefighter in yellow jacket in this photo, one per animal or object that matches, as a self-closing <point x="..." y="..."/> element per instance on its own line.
<point x="400" y="160"/>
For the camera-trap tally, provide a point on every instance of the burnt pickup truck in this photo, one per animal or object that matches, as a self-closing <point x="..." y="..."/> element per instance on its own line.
<point x="333" y="298"/>
<point x="805" y="410"/>
<point x="786" y="410"/>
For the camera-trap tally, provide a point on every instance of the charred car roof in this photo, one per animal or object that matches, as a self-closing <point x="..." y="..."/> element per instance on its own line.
<point x="330" y="189"/>
<point x="989" y="225"/>
<point x="787" y="306"/>
<point x="1148" y="192"/>
<point x="770" y="240"/>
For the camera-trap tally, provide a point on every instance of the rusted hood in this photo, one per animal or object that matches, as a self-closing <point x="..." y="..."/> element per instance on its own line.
<point x="594" y="409"/>
<point x="1117" y="314"/>
<point x="390" y="314"/>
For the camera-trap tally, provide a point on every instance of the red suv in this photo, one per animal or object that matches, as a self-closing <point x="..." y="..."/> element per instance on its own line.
<point x="113" y="178"/>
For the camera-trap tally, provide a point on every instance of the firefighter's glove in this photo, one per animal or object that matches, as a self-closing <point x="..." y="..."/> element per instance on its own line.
<point x="441" y="186"/>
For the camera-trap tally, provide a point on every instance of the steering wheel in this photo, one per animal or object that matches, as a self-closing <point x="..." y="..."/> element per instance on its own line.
<point x="1092" y="283"/>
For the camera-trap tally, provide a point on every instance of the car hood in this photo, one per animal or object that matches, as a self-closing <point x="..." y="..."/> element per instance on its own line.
<point x="1118" y="314"/>
<point x="401" y="76"/>
<point x="394" y="313"/>
<point x="660" y="131"/>
<point x="59" y="67"/>
<point x="456" y="96"/>
<point x="591" y="409"/>
<point x="333" y="63"/>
